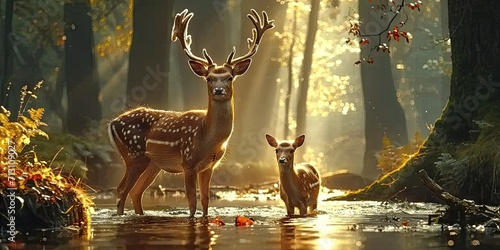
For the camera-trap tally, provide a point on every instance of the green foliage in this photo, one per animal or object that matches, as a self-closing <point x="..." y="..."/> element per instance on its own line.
<point x="47" y="199"/>
<point x="473" y="169"/>
<point x="21" y="131"/>
<point x="453" y="172"/>
<point x="391" y="158"/>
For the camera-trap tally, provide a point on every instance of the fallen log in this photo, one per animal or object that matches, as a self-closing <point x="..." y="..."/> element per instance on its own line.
<point x="463" y="212"/>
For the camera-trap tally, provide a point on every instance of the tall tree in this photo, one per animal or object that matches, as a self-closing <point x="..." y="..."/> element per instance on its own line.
<point x="82" y="85"/>
<point x="383" y="112"/>
<point x="468" y="127"/>
<point x="305" y="71"/>
<point x="288" y="96"/>
<point x="7" y="51"/>
<point x="147" y="82"/>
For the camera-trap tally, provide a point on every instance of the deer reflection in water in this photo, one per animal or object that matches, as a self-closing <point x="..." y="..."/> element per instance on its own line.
<point x="149" y="232"/>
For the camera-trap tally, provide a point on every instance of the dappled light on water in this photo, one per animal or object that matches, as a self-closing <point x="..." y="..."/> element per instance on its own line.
<point x="337" y="225"/>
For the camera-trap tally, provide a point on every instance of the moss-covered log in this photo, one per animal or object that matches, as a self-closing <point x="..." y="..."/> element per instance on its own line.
<point x="463" y="151"/>
<point x="464" y="212"/>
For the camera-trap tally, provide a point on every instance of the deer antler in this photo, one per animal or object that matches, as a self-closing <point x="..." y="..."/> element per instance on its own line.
<point x="179" y="31"/>
<point x="261" y="26"/>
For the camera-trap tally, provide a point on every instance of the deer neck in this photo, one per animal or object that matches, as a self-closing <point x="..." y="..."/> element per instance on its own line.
<point x="219" y="119"/>
<point x="288" y="179"/>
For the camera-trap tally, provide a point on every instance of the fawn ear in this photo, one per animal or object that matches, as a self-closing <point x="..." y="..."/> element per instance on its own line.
<point x="242" y="67"/>
<point x="299" y="141"/>
<point x="271" y="140"/>
<point x="198" y="68"/>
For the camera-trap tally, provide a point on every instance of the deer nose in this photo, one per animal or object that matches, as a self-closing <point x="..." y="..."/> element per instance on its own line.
<point x="219" y="91"/>
<point x="281" y="160"/>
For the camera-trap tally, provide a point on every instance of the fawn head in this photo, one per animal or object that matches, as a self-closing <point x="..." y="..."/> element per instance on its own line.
<point x="220" y="78"/>
<point x="285" y="149"/>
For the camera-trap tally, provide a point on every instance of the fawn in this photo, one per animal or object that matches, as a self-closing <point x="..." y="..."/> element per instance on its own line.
<point x="299" y="184"/>
<point x="191" y="142"/>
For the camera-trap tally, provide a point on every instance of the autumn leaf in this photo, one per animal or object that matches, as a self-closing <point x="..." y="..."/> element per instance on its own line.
<point x="357" y="62"/>
<point x="36" y="114"/>
<point x="406" y="35"/>
<point x="364" y="42"/>
<point x="370" y="61"/>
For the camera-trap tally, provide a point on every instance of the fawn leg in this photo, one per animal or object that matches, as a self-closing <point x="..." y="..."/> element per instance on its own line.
<point x="314" y="207"/>
<point x="142" y="183"/>
<point x="204" y="188"/>
<point x="135" y="167"/>
<point x="302" y="208"/>
<point x="190" y="184"/>
<point x="289" y="208"/>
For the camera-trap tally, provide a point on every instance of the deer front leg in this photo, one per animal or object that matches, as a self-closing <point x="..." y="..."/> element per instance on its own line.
<point x="289" y="209"/>
<point x="204" y="187"/>
<point x="190" y="184"/>
<point x="143" y="182"/>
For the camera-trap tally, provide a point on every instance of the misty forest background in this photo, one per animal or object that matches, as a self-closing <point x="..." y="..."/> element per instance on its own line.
<point x="98" y="58"/>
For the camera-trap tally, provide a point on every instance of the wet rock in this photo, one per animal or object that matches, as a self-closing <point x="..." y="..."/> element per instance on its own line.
<point x="345" y="180"/>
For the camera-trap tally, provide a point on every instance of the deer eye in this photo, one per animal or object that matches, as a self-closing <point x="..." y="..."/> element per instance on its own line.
<point x="230" y="79"/>
<point x="276" y="150"/>
<point x="292" y="151"/>
<point x="209" y="79"/>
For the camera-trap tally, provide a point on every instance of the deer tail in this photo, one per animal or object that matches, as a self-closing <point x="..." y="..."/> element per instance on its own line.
<point x="112" y="134"/>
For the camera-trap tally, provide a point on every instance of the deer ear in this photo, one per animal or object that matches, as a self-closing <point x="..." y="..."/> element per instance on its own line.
<point x="271" y="140"/>
<point x="299" y="141"/>
<point x="241" y="67"/>
<point x="198" y="68"/>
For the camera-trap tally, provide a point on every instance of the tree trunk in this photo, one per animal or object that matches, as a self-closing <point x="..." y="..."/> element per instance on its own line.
<point x="147" y="82"/>
<point x="383" y="112"/>
<point x="474" y="89"/>
<point x="7" y="51"/>
<point x="82" y="85"/>
<point x="286" y="129"/>
<point x="305" y="71"/>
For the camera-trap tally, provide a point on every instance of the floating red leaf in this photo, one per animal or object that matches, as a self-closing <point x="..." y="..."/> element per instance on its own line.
<point x="217" y="221"/>
<point x="243" y="221"/>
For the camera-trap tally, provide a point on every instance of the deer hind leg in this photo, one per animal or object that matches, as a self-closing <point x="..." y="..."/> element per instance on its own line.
<point x="302" y="208"/>
<point x="135" y="167"/>
<point x="204" y="188"/>
<point x="141" y="185"/>
<point x="314" y="207"/>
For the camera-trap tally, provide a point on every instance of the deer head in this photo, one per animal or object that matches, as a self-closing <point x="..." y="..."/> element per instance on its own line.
<point x="220" y="78"/>
<point x="285" y="149"/>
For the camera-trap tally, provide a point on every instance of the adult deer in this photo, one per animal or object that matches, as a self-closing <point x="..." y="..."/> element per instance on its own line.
<point x="191" y="142"/>
<point x="299" y="184"/>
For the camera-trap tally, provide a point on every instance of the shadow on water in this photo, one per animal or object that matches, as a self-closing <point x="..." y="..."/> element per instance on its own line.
<point x="338" y="225"/>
